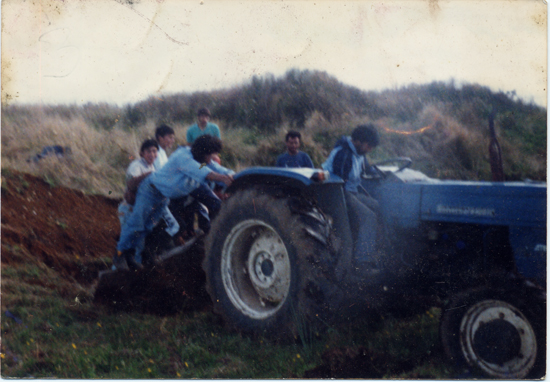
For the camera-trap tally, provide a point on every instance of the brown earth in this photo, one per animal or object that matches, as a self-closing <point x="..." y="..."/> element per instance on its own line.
<point x="56" y="226"/>
<point x="74" y="235"/>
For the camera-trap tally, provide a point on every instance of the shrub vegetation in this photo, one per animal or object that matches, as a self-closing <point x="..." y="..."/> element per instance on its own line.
<point x="443" y="127"/>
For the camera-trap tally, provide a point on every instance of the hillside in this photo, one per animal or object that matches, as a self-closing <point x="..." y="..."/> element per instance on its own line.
<point x="443" y="127"/>
<point x="57" y="228"/>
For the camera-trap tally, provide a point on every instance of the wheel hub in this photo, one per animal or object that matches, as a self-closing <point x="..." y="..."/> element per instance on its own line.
<point x="268" y="266"/>
<point x="263" y="269"/>
<point x="498" y="338"/>
<point x="497" y="341"/>
<point x="256" y="270"/>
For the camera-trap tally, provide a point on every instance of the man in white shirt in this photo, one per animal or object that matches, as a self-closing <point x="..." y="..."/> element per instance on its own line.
<point x="138" y="170"/>
<point x="135" y="173"/>
<point x="166" y="138"/>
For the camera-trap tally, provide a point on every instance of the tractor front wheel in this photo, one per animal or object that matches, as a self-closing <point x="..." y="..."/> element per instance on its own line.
<point x="499" y="333"/>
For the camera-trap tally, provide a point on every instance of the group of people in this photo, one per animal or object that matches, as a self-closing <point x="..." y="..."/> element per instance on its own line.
<point x="347" y="160"/>
<point x="157" y="186"/>
<point x="179" y="187"/>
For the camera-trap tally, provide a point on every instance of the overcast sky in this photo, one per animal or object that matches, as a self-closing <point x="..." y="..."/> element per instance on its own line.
<point x="77" y="51"/>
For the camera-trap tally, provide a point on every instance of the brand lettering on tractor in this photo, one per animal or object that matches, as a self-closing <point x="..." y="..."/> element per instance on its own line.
<point x="466" y="211"/>
<point x="540" y="248"/>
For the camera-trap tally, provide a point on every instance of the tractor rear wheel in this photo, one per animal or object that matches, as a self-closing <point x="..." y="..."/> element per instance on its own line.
<point x="263" y="268"/>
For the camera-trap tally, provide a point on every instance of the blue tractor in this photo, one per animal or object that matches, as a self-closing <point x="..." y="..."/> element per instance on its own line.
<point x="281" y="251"/>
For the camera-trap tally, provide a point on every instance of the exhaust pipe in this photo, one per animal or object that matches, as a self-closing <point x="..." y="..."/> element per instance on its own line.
<point x="495" y="155"/>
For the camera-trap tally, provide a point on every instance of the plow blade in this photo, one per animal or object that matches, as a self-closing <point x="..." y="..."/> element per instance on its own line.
<point x="175" y="281"/>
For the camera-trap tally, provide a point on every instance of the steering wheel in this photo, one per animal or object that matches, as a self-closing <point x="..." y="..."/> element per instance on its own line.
<point x="403" y="163"/>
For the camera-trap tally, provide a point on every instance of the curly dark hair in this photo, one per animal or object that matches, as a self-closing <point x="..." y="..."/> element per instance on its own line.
<point x="205" y="145"/>
<point x="366" y="133"/>
<point x="293" y="134"/>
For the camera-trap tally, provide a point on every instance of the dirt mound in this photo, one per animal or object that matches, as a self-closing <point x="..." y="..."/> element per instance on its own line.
<point x="75" y="235"/>
<point x="59" y="227"/>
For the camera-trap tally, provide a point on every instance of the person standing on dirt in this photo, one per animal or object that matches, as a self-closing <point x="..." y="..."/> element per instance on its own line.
<point x="294" y="158"/>
<point x="186" y="173"/>
<point x="347" y="160"/>
<point x="166" y="137"/>
<point x="202" y="127"/>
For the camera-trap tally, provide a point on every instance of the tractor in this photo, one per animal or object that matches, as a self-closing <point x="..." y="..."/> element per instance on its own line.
<point x="281" y="252"/>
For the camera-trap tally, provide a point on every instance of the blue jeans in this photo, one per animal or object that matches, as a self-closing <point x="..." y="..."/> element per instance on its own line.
<point x="124" y="212"/>
<point x="148" y="210"/>
<point x="205" y="196"/>
<point x="363" y="222"/>
<point x="172" y="225"/>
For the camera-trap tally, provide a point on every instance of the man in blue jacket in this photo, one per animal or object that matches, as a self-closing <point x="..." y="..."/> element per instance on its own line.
<point x="186" y="173"/>
<point x="347" y="160"/>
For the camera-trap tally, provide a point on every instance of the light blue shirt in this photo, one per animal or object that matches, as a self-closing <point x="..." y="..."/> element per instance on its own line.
<point x="195" y="131"/>
<point x="182" y="174"/>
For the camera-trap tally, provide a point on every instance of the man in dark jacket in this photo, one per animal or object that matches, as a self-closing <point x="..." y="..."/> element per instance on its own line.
<point x="347" y="160"/>
<point x="294" y="157"/>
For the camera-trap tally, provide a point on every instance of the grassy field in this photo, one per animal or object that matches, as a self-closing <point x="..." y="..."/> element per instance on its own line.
<point x="51" y="326"/>
<point x="50" y="335"/>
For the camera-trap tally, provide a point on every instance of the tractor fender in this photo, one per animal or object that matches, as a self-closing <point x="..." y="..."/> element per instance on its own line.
<point x="290" y="178"/>
<point x="305" y="184"/>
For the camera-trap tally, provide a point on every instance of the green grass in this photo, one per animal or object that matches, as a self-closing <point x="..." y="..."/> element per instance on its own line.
<point x="65" y="337"/>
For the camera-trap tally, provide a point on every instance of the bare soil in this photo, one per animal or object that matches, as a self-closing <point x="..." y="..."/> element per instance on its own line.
<point x="75" y="236"/>
<point x="55" y="226"/>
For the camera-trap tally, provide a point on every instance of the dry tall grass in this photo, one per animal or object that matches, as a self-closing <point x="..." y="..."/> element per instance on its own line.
<point x="97" y="161"/>
<point x="439" y="145"/>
